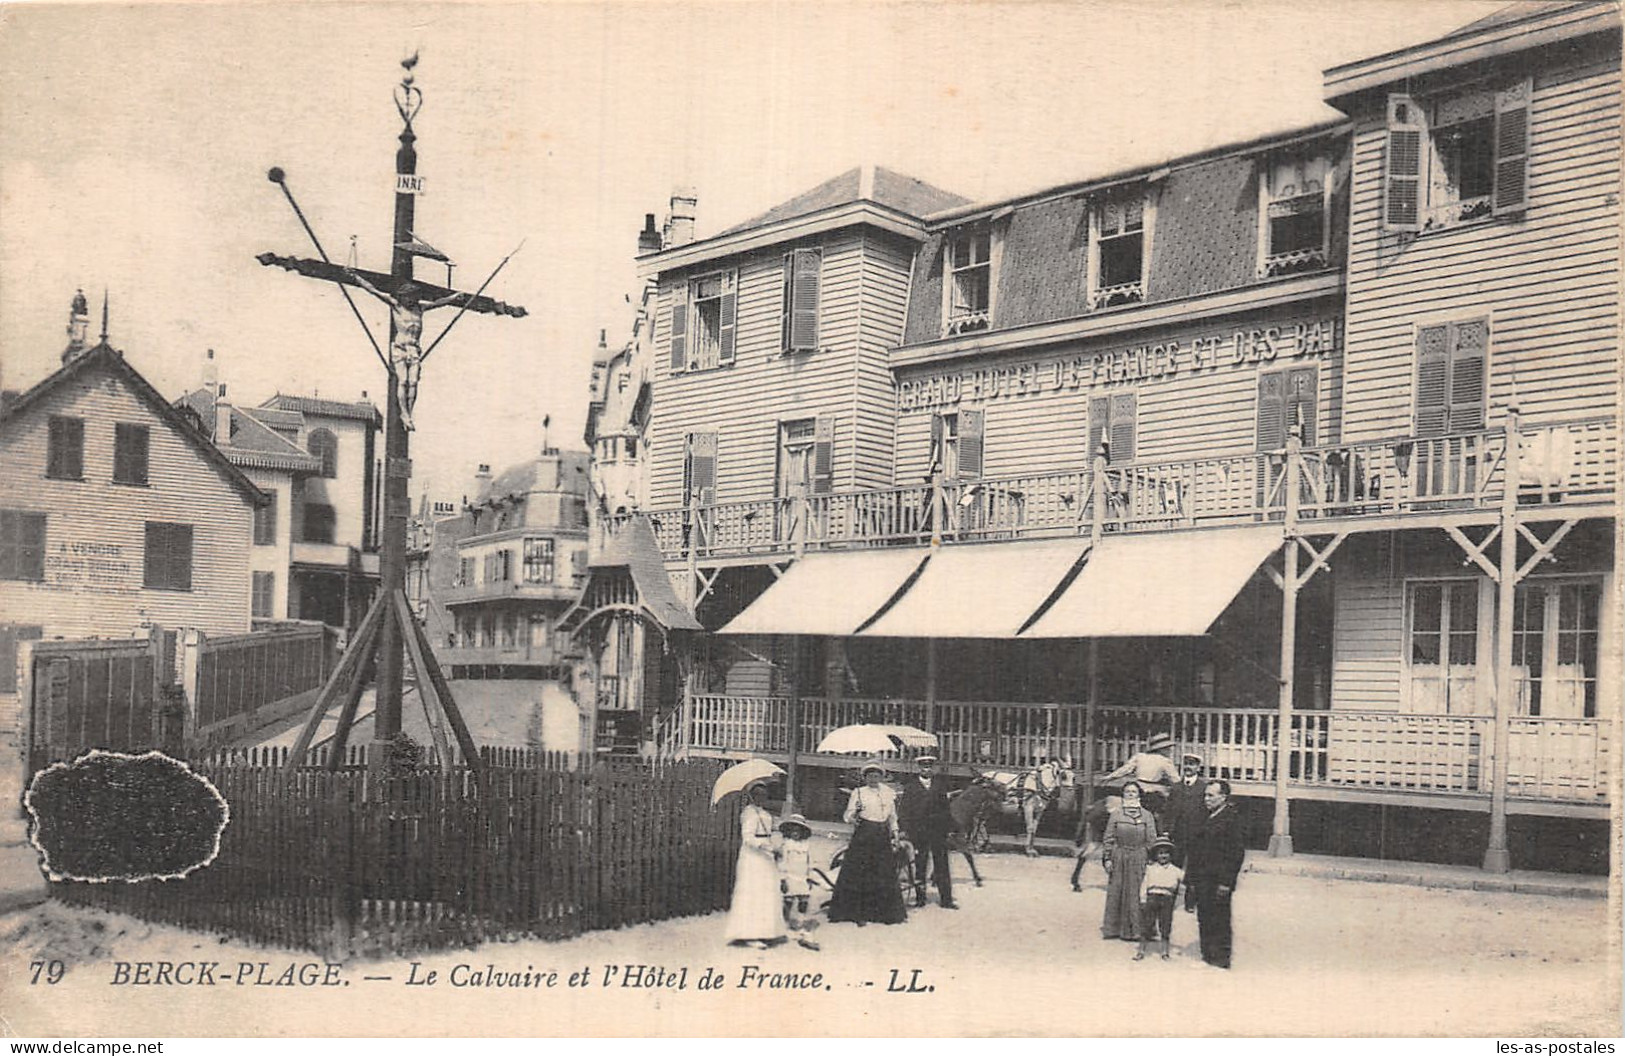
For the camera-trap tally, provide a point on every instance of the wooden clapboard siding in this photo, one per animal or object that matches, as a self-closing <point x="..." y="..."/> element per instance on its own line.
<point x="1548" y="282"/>
<point x="1187" y="415"/>
<point x="1368" y="631"/>
<point x="884" y="299"/>
<point x="861" y="297"/>
<point x="183" y="488"/>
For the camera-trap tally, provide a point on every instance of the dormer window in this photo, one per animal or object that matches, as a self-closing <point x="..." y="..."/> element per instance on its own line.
<point x="702" y="323"/>
<point x="969" y="282"/>
<point x="1296" y="191"/>
<point x="1117" y="228"/>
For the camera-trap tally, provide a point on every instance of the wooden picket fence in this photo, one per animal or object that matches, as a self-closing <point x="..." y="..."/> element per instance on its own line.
<point x="313" y="861"/>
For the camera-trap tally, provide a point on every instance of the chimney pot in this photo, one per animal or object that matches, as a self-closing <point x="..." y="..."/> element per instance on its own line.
<point x="684" y="204"/>
<point x="649" y="238"/>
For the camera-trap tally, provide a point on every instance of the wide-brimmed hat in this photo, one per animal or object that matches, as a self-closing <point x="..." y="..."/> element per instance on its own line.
<point x="1159" y="742"/>
<point x="926" y="757"/>
<point x="795" y="821"/>
<point x="872" y="764"/>
<point x="1162" y="841"/>
<point x="1189" y="758"/>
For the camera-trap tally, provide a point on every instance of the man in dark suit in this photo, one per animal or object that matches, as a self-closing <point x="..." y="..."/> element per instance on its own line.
<point x="1185" y="812"/>
<point x="927" y="821"/>
<point x="1212" y="864"/>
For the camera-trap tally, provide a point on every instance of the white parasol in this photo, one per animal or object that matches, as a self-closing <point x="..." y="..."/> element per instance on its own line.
<point x="740" y="776"/>
<point x="869" y="738"/>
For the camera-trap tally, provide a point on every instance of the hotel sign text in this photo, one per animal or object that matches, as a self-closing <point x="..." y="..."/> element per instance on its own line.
<point x="1154" y="361"/>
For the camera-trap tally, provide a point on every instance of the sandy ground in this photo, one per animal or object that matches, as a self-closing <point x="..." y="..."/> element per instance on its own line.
<point x="1023" y="956"/>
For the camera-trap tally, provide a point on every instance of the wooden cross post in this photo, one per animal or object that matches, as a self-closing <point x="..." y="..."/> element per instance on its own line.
<point x="390" y="632"/>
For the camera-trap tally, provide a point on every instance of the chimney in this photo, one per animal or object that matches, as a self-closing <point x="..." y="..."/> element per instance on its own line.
<point x="222" y="420"/>
<point x="482" y="483"/>
<point x="680" y="226"/>
<point x="649" y="237"/>
<point x="78" y="326"/>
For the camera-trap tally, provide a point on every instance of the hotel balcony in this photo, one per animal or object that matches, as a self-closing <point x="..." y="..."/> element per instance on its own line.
<point x="1571" y="466"/>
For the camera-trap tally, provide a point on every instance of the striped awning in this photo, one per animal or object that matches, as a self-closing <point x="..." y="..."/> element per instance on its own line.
<point x="1157" y="584"/>
<point x="980" y="590"/>
<point x="831" y="594"/>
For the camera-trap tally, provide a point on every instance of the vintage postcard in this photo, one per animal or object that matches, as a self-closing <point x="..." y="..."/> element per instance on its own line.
<point x="741" y="519"/>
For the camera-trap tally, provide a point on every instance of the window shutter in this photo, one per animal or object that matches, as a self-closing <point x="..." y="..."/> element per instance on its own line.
<point x="1403" y="174"/>
<point x="66" y="449"/>
<point x="727" y="313"/>
<point x="823" y="455"/>
<point x="1099" y="425"/>
<point x="1300" y="405"/>
<point x="679" y="332"/>
<point x="970" y="444"/>
<point x="702" y="467"/>
<point x="1123" y="428"/>
<point x="1432" y="380"/>
<point x="936" y="444"/>
<point x="804" y="300"/>
<point x="1512" y="148"/>
<point x="1271" y="412"/>
<point x="787" y="302"/>
<point x="1471" y="341"/>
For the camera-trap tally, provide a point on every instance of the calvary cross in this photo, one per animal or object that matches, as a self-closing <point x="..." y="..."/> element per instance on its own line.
<point x="389" y="622"/>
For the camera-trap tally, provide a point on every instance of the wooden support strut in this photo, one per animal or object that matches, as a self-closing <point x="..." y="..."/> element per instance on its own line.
<point x="431" y="670"/>
<point x="428" y="694"/>
<point x="1543" y="547"/>
<point x="1477" y="553"/>
<point x="1318" y="559"/>
<point x="344" y="673"/>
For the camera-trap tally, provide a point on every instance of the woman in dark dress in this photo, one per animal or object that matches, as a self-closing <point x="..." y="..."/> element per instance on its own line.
<point x="866" y="888"/>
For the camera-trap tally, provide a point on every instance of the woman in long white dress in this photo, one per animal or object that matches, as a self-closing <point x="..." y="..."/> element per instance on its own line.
<point x="756" y="915"/>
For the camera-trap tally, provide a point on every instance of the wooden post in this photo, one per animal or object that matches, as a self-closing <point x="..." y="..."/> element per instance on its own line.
<point x="939" y="508"/>
<point x="1497" y="858"/>
<point x="1097" y="484"/>
<point x="802" y="509"/>
<point x="1281" y="831"/>
<point x="930" y="685"/>
<point x="792" y="730"/>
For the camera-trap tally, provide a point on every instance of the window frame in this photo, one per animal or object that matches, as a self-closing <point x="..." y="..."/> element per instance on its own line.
<point x="1129" y="398"/>
<point x="132" y="462"/>
<point x="265" y="521"/>
<point x="15" y="545"/>
<point x="1413" y="156"/>
<point x="1121" y="294"/>
<point x="539" y="568"/>
<point x="957" y="320"/>
<point x="329" y="454"/>
<point x="1294" y="262"/>
<point x="801" y="302"/>
<point x="160" y="567"/>
<point x="1550" y="638"/>
<point x="687" y="356"/>
<point x="262" y="588"/>
<point x="59" y="428"/>
<point x="1453" y="324"/>
<point x="1482" y="631"/>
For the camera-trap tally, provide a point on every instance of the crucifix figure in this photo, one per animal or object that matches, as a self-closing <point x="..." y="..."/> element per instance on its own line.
<point x="408" y="300"/>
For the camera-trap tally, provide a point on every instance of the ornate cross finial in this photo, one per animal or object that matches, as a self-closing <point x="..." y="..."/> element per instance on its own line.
<point x="408" y="97"/>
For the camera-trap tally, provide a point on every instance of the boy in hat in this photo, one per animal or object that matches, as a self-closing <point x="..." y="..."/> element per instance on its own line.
<point x="1155" y="772"/>
<point x="795" y="877"/>
<point x="1157" y="893"/>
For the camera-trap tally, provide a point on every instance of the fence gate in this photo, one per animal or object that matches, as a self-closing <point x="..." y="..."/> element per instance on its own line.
<point x="97" y="694"/>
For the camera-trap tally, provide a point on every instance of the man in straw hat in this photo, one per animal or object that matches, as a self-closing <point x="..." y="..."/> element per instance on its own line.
<point x="927" y="820"/>
<point x="1155" y="772"/>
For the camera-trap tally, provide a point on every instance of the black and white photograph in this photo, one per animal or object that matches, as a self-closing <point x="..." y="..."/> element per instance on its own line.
<point x="735" y="519"/>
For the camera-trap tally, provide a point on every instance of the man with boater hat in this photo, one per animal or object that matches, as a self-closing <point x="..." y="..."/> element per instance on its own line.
<point x="1185" y="813"/>
<point x="928" y="821"/>
<point x="1155" y="772"/>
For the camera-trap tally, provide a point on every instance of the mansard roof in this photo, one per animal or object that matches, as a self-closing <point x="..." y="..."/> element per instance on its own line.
<point x="871" y="183"/>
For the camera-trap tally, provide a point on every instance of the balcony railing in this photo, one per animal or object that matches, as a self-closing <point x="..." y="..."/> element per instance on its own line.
<point x="1566" y="463"/>
<point x="1558" y="760"/>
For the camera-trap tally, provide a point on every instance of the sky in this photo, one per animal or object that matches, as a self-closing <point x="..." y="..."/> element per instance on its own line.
<point x="135" y="139"/>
